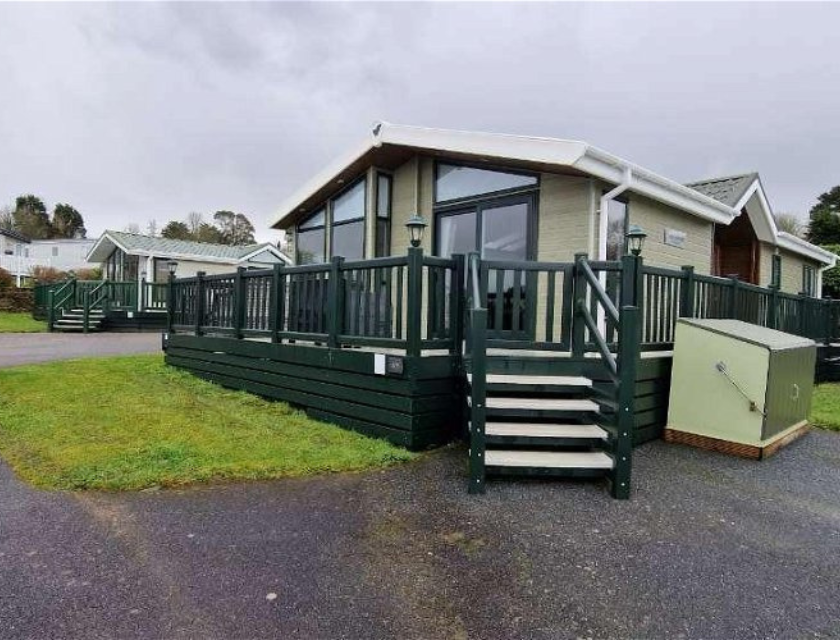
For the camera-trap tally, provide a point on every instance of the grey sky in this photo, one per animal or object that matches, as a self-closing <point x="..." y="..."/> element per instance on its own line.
<point x="132" y="112"/>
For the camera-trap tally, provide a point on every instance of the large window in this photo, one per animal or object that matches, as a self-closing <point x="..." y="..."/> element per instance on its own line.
<point x="617" y="223"/>
<point x="776" y="272"/>
<point x="348" y="223"/>
<point x="455" y="182"/>
<point x="383" y="215"/>
<point x="310" y="239"/>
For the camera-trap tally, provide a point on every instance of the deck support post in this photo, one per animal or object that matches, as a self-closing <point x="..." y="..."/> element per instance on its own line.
<point x="457" y="306"/>
<point x="478" y="399"/>
<point x="578" y="326"/>
<point x="335" y="314"/>
<point x="170" y="303"/>
<point x="199" y="302"/>
<point x="275" y="313"/>
<point x="629" y="348"/>
<point x="50" y="309"/>
<point x="86" y="310"/>
<point x="240" y="296"/>
<point x="687" y="292"/>
<point x="414" y="307"/>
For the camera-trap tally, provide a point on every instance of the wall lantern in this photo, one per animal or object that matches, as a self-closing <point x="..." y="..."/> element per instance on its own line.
<point x="416" y="227"/>
<point x="636" y="239"/>
<point x="172" y="266"/>
<point x="143" y="275"/>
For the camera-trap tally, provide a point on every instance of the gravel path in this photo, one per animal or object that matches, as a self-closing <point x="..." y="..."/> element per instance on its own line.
<point x="709" y="547"/>
<point x="29" y="348"/>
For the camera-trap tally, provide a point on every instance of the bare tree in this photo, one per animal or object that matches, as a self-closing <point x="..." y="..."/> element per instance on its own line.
<point x="194" y="222"/>
<point x="790" y="223"/>
<point x="7" y="218"/>
<point x="152" y="227"/>
<point x="132" y="227"/>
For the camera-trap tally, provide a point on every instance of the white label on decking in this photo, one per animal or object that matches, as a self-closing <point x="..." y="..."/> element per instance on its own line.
<point x="379" y="364"/>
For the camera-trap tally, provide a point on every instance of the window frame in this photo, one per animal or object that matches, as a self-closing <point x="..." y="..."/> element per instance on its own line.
<point x="809" y="280"/>
<point x="775" y="271"/>
<point x="480" y="196"/>
<point x="322" y="228"/>
<point x="625" y="200"/>
<point x="333" y="224"/>
<point x="380" y="235"/>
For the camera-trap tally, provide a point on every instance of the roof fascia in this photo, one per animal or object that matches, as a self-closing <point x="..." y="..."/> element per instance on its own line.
<point x="805" y="248"/>
<point x="102" y="238"/>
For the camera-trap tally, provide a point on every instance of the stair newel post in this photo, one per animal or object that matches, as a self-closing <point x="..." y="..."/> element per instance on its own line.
<point x="199" y="302"/>
<point x="687" y="292"/>
<point x="85" y="310"/>
<point x="335" y="314"/>
<point x="456" y="311"/>
<point x="275" y="314"/>
<point x="578" y="326"/>
<point x="773" y="307"/>
<point x="50" y="309"/>
<point x="478" y="399"/>
<point x="629" y="350"/>
<point x="414" y="306"/>
<point x="240" y="298"/>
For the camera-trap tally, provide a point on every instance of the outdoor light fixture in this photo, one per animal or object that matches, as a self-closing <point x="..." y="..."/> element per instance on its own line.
<point x="172" y="265"/>
<point x="636" y="239"/>
<point x="143" y="275"/>
<point x="416" y="227"/>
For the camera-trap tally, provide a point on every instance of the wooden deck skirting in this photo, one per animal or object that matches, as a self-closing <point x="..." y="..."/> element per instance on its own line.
<point x="418" y="407"/>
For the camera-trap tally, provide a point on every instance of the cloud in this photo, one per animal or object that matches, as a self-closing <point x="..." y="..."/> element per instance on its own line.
<point x="139" y="111"/>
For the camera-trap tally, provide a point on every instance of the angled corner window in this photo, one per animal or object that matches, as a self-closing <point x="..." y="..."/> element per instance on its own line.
<point x="776" y="272"/>
<point x="454" y="182"/>
<point x="348" y="222"/>
<point x="383" y="214"/>
<point x="310" y="239"/>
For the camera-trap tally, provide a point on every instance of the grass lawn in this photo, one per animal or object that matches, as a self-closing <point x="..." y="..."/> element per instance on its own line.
<point x="20" y="323"/>
<point x="825" y="408"/>
<point x="132" y="422"/>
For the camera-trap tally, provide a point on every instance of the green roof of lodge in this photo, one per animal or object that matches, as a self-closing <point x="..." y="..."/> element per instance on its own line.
<point x="728" y="190"/>
<point x="164" y="246"/>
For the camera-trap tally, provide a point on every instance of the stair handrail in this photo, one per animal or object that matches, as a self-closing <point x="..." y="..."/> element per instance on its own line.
<point x="57" y="298"/>
<point x="582" y="309"/>
<point x="95" y="298"/>
<point x="477" y="351"/>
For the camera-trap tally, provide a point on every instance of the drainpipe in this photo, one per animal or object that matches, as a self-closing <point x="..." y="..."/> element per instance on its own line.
<point x="603" y="226"/>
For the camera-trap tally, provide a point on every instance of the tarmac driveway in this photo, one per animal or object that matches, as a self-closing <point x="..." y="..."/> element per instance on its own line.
<point x="709" y="547"/>
<point x="29" y="348"/>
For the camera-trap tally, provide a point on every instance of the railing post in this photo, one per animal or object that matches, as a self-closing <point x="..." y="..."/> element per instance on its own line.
<point x="240" y="294"/>
<point x="687" y="292"/>
<point x="170" y="303"/>
<point x="456" y="311"/>
<point x="414" y="306"/>
<point x="199" y="302"/>
<point x="142" y="296"/>
<point x="773" y="307"/>
<point x="478" y="394"/>
<point x="578" y="326"/>
<point x="631" y="280"/>
<point x="629" y="348"/>
<point x="85" y="310"/>
<point x="733" y="298"/>
<point x="334" y="322"/>
<point x="275" y="312"/>
<point x="50" y="309"/>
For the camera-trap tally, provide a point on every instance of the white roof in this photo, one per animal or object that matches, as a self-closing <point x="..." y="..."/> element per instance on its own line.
<point x="551" y="152"/>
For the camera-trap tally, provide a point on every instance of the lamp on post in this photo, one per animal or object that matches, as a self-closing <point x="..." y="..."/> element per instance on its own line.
<point x="416" y="226"/>
<point x="636" y="240"/>
<point x="171" y="266"/>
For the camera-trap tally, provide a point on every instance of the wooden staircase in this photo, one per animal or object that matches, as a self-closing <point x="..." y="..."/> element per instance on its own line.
<point x="73" y="321"/>
<point x="541" y="425"/>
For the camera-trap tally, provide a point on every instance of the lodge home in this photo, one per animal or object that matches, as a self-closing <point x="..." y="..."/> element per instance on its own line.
<point x="523" y="318"/>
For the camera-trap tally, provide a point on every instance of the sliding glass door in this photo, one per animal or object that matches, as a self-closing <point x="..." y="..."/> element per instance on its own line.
<point x="501" y="229"/>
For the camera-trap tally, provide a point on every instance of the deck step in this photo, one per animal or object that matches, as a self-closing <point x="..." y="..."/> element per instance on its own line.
<point x="527" y="380"/>
<point x="541" y="404"/>
<point x="544" y="430"/>
<point x="549" y="459"/>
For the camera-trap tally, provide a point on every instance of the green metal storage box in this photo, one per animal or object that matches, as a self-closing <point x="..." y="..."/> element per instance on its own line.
<point x="738" y="387"/>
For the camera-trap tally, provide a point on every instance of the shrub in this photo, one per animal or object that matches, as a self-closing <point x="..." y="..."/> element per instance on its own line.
<point x="88" y="274"/>
<point x="16" y="300"/>
<point x="46" y="275"/>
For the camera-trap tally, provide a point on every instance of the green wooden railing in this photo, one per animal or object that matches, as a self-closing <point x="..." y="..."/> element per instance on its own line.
<point x="409" y="302"/>
<point x="53" y="300"/>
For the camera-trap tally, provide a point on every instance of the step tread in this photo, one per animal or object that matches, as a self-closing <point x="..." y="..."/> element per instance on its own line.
<point x="548" y="459"/>
<point x="555" y="404"/>
<point x="504" y="378"/>
<point x="544" y="430"/>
